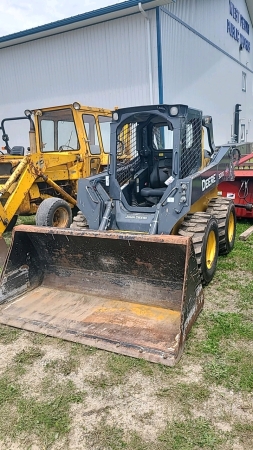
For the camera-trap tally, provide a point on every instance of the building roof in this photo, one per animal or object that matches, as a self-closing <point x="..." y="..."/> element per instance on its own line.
<point x="81" y="20"/>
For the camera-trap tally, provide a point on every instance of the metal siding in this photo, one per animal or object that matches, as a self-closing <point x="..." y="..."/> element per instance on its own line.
<point x="103" y="65"/>
<point x="210" y="19"/>
<point x="197" y="74"/>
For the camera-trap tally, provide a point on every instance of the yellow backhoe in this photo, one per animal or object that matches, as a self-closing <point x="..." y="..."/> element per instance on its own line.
<point x="66" y="143"/>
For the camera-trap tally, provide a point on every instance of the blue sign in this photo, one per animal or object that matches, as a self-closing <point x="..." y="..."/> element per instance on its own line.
<point x="234" y="32"/>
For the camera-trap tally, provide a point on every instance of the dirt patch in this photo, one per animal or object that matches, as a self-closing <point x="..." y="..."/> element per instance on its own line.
<point x="193" y="373"/>
<point x="8" y="351"/>
<point x="235" y="407"/>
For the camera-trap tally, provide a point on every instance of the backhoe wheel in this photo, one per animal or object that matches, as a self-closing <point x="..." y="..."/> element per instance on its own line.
<point x="224" y="211"/>
<point x="203" y="229"/>
<point x="79" y="222"/>
<point x="54" y="212"/>
<point x="12" y="223"/>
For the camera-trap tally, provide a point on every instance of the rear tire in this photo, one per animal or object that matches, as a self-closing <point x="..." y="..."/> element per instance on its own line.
<point x="224" y="211"/>
<point x="203" y="229"/>
<point x="54" y="212"/>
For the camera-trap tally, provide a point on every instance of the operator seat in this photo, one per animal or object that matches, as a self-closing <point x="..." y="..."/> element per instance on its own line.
<point x="17" y="151"/>
<point x="160" y="173"/>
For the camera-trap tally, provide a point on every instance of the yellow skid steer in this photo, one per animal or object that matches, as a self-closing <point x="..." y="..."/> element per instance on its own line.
<point x="132" y="281"/>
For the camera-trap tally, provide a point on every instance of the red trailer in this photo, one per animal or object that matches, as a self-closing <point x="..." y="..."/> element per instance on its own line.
<point x="241" y="189"/>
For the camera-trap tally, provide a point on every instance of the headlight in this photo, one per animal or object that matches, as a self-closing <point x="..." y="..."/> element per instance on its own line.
<point x="38" y="112"/>
<point x="115" y="116"/>
<point x="76" y="105"/>
<point x="206" y="120"/>
<point x="174" y="111"/>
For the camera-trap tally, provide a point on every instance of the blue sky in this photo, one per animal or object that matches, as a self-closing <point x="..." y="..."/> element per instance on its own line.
<point x="19" y="15"/>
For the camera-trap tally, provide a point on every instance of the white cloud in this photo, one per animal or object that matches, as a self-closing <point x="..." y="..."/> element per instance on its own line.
<point x="19" y="15"/>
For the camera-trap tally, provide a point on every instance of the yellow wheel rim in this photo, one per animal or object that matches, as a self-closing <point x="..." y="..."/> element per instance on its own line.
<point x="210" y="249"/>
<point x="60" y="218"/>
<point x="231" y="227"/>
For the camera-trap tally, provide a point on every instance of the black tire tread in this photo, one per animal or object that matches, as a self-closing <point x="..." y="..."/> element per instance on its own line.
<point x="45" y="209"/>
<point x="194" y="226"/>
<point x="218" y="207"/>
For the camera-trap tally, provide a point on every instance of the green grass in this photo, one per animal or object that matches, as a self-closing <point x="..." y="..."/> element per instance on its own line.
<point x="220" y="326"/>
<point x="48" y="420"/>
<point x="185" y="393"/>
<point x="217" y="327"/>
<point x="190" y="435"/>
<point x="63" y="366"/>
<point x="9" y="391"/>
<point x="107" y="437"/>
<point x="118" y="368"/>
<point x="8" y="334"/>
<point x="218" y="345"/>
<point x="22" y="220"/>
<point x="79" y="350"/>
<point x="233" y="370"/>
<point x="244" y="433"/>
<point x="28" y="356"/>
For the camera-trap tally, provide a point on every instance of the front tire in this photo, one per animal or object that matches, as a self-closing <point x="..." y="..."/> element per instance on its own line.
<point x="203" y="229"/>
<point x="54" y="212"/>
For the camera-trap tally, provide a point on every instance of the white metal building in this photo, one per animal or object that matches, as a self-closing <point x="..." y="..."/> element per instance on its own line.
<point x="196" y="52"/>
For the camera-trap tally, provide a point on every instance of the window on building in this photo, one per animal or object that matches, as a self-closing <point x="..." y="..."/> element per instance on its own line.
<point x="244" y="81"/>
<point x="242" y="132"/>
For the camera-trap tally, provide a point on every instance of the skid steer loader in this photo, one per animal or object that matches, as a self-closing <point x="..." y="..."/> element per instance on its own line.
<point x="66" y="143"/>
<point x="132" y="282"/>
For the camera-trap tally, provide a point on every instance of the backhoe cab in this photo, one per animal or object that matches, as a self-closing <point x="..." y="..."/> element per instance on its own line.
<point x="65" y="143"/>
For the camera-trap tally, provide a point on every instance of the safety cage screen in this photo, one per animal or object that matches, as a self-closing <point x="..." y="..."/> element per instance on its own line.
<point x="128" y="158"/>
<point x="191" y="147"/>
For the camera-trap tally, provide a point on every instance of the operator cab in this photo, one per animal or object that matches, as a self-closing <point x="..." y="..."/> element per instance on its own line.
<point x="155" y="147"/>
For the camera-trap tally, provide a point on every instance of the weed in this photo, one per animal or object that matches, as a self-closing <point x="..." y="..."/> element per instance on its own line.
<point x="82" y="350"/>
<point x="63" y="366"/>
<point x="190" y="434"/>
<point x="106" y="437"/>
<point x="220" y="326"/>
<point x="233" y="370"/>
<point x="8" y="334"/>
<point x="28" y="356"/>
<point x="39" y="339"/>
<point x="50" y="419"/>
<point x="244" y="431"/>
<point x="9" y="392"/>
<point x="119" y="366"/>
<point x="100" y="382"/>
<point x="185" y="393"/>
<point x="245" y="301"/>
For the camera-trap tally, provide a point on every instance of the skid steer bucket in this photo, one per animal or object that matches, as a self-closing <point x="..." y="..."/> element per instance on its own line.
<point x="133" y="294"/>
<point x="3" y="251"/>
